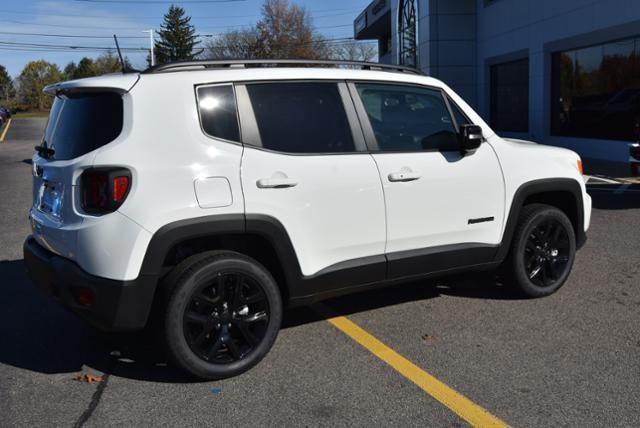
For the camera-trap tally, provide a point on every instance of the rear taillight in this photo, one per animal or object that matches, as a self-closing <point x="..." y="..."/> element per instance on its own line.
<point x="120" y="188"/>
<point x="104" y="189"/>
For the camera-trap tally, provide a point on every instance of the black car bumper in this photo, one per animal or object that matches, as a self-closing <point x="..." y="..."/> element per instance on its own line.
<point x="107" y="304"/>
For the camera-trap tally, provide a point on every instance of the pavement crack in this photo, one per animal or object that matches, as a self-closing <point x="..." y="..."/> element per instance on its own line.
<point x="95" y="400"/>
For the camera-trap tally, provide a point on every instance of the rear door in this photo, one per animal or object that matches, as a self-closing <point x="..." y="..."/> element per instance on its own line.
<point x="305" y="164"/>
<point x="444" y="209"/>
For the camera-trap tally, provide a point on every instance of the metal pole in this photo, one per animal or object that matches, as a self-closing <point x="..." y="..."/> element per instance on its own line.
<point x="153" y="61"/>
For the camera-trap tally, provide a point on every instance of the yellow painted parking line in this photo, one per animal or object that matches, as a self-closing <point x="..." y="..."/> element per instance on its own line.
<point x="456" y="402"/>
<point x="6" y="128"/>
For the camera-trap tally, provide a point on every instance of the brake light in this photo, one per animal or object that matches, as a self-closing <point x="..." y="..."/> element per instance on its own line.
<point x="104" y="189"/>
<point x="120" y="188"/>
<point x="580" y="167"/>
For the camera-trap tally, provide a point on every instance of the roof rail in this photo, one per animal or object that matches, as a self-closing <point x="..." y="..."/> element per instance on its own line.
<point x="244" y="63"/>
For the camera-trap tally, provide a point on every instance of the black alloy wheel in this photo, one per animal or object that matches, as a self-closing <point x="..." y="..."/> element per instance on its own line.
<point x="542" y="251"/>
<point x="222" y="313"/>
<point x="227" y="318"/>
<point x="546" y="254"/>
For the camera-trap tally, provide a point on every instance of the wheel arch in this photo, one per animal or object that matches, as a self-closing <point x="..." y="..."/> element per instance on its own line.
<point x="260" y="237"/>
<point x="562" y="193"/>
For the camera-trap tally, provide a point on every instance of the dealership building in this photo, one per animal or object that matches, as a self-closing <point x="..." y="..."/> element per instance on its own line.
<point x="559" y="72"/>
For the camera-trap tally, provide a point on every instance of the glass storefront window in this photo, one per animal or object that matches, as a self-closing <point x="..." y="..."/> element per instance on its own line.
<point x="596" y="91"/>
<point x="509" y="96"/>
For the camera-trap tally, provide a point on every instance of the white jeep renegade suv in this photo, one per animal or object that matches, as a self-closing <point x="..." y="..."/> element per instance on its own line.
<point x="213" y="194"/>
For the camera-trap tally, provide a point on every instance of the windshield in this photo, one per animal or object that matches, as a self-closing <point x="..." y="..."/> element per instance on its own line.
<point x="81" y="123"/>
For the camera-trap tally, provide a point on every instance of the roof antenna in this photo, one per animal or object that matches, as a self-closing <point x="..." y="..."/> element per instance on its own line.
<point x="124" y="65"/>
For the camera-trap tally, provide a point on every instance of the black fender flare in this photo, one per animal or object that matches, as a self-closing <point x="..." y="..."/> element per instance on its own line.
<point x="534" y="187"/>
<point x="344" y="274"/>
<point x="170" y="235"/>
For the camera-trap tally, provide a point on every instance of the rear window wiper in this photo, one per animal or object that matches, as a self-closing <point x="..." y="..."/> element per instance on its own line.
<point x="44" y="151"/>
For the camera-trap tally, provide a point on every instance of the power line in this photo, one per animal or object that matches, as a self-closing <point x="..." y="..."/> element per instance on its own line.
<point x="159" y="1"/>
<point x="49" y="50"/>
<point x="87" y="36"/>
<point x="159" y="18"/>
<point x="226" y="27"/>
<point x="75" y="26"/>
<point x="68" y="46"/>
<point x="57" y="47"/>
<point x="71" y="36"/>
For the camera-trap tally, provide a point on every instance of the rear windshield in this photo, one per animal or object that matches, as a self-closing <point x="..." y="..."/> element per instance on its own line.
<point x="80" y="123"/>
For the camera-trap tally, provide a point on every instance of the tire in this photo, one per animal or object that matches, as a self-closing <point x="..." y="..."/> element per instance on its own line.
<point x="222" y="314"/>
<point x="542" y="251"/>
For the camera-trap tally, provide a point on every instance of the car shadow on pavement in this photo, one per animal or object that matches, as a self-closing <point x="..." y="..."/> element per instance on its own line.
<point x="38" y="334"/>
<point x="479" y="285"/>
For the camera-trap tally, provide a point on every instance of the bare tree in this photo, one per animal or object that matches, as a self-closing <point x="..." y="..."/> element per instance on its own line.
<point x="241" y="44"/>
<point x="284" y="31"/>
<point x="355" y="51"/>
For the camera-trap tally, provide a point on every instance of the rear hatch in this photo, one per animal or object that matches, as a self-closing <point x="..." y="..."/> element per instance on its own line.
<point x="83" y="118"/>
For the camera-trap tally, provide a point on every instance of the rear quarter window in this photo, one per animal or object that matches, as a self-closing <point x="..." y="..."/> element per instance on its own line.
<point x="81" y="123"/>
<point x="217" y="110"/>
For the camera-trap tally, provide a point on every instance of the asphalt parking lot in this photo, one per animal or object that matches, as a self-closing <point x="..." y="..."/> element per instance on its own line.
<point x="572" y="359"/>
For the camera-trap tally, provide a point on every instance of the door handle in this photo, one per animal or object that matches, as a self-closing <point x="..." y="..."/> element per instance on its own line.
<point x="403" y="176"/>
<point x="276" y="183"/>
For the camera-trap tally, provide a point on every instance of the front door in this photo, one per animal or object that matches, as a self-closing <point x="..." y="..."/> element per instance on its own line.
<point x="444" y="209"/>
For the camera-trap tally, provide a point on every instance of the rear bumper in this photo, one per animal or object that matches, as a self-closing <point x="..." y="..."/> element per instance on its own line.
<point x="117" y="305"/>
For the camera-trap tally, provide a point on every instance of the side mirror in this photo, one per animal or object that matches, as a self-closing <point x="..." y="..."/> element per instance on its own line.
<point x="470" y="138"/>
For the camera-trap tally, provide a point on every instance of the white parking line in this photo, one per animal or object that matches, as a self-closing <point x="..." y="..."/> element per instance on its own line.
<point x="594" y="180"/>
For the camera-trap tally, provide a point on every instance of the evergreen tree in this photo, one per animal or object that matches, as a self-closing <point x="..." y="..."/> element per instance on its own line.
<point x="6" y="84"/>
<point x="86" y="68"/>
<point x="177" y="38"/>
<point x="70" y="70"/>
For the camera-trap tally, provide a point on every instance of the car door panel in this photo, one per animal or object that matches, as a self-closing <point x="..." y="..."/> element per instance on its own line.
<point x="335" y="211"/>
<point x="437" y="208"/>
<point x="330" y="204"/>
<point x="443" y="209"/>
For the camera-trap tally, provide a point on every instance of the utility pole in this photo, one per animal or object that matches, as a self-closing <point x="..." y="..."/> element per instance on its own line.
<point x="151" y="43"/>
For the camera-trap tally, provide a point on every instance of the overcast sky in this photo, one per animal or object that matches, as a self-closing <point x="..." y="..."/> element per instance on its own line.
<point x="127" y="19"/>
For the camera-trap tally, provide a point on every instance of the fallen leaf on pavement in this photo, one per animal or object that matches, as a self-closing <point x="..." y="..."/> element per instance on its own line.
<point x="428" y="337"/>
<point x="88" y="378"/>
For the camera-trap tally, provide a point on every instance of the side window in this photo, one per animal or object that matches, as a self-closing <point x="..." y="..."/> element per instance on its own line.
<point x="217" y="109"/>
<point x="408" y="118"/>
<point x="459" y="116"/>
<point x="301" y="117"/>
